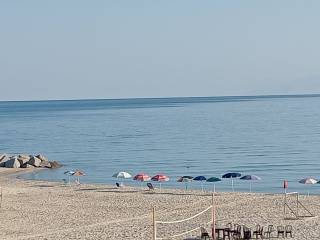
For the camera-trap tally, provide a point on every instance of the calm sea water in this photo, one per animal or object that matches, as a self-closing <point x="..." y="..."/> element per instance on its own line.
<point x="275" y="138"/>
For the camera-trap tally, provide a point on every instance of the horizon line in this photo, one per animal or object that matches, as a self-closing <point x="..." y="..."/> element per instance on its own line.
<point x="172" y="97"/>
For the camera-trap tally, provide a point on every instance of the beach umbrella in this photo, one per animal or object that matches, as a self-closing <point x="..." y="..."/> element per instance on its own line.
<point x="250" y="178"/>
<point x="160" y="178"/>
<point x="214" y="180"/>
<point x="232" y="175"/>
<point x="122" y="175"/>
<point x="69" y="173"/>
<point x="200" y="179"/>
<point x="142" y="177"/>
<point x="186" y="180"/>
<point x="308" y="181"/>
<point x="78" y="174"/>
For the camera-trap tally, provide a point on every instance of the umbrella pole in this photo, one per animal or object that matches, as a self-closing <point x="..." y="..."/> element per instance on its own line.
<point x="214" y="188"/>
<point x="160" y="186"/>
<point x="202" y="186"/>
<point x="232" y="184"/>
<point x="250" y="187"/>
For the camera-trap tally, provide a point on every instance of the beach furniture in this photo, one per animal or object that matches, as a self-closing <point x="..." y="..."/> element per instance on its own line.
<point x="150" y="186"/>
<point x="232" y="175"/>
<point x="186" y="180"/>
<point x="160" y="178"/>
<point x="268" y="234"/>
<point x="258" y="232"/>
<point x="227" y="231"/>
<point x="288" y="231"/>
<point x="142" y="177"/>
<point x="280" y="231"/>
<point x="200" y="179"/>
<point x="236" y="232"/>
<point x="214" y="180"/>
<point x="246" y="233"/>
<point x="250" y="178"/>
<point x="204" y="234"/>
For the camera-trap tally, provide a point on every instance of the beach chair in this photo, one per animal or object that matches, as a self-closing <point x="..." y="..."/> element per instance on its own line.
<point x="204" y="234"/>
<point x="258" y="232"/>
<point x="150" y="187"/>
<point x="280" y="231"/>
<point x="246" y="233"/>
<point x="236" y="233"/>
<point x="268" y="234"/>
<point x="288" y="230"/>
<point x="118" y="185"/>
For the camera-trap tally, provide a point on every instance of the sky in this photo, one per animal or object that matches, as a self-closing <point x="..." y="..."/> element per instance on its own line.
<point x="80" y="49"/>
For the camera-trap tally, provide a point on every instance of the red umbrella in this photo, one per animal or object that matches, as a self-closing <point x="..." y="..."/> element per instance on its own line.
<point x="142" y="177"/>
<point x="160" y="178"/>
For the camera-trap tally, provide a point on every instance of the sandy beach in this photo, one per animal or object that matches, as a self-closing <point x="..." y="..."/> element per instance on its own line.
<point x="47" y="210"/>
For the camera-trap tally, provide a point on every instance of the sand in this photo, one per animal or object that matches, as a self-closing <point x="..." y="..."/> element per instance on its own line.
<point x="47" y="210"/>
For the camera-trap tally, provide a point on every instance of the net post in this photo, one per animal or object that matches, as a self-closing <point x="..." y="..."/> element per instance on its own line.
<point x="154" y="235"/>
<point x="213" y="216"/>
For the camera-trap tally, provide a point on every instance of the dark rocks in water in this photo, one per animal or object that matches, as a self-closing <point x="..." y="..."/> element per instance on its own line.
<point x="42" y="158"/>
<point x="34" y="161"/>
<point x="27" y="161"/>
<point x="55" y="164"/>
<point x="12" y="163"/>
<point x="3" y="158"/>
<point x="27" y="166"/>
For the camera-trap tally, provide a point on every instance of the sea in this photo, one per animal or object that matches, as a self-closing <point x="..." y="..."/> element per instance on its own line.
<point x="274" y="137"/>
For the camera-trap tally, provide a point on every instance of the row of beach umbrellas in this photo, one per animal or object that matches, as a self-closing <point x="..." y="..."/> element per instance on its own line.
<point x="142" y="177"/>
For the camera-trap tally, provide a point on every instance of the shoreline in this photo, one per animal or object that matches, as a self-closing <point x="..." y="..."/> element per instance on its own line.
<point x="53" y="210"/>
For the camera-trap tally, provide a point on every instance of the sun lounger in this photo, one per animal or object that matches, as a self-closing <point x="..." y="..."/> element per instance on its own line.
<point x="268" y="234"/>
<point x="258" y="232"/>
<point x="150" y="186"/>
<point x="280" y="230"/>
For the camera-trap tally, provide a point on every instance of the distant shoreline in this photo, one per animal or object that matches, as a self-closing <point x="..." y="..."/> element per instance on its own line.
<point x="302" y="95"/>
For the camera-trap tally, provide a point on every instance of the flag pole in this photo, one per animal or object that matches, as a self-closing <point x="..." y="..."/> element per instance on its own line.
<point x="213" y="218"/>
<point x="154" y="237"/>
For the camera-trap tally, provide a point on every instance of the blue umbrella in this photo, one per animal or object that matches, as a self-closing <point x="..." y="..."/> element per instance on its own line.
<point x="250" y="178"/>
<point x="201" y="179"/>
<point x="232" y="175"/>
<point x="214" y="180"/>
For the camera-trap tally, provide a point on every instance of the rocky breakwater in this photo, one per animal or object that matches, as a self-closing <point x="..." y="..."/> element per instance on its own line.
<point x="27" y="161"/>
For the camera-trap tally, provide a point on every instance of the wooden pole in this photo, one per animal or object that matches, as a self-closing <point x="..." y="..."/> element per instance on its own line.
<point x="1" y="200"/>
<point x="213" y="218"/>
<point x="154" y="236"/>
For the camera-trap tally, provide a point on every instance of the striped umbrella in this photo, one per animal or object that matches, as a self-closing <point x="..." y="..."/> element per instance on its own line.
<point x="250" y="178"/>
<point x="200" y="179"/>
<point x="160" y="178"/>
<point x="69" y="173"/>
<point x="214" y="180"/>
<point x="232" y="175"/>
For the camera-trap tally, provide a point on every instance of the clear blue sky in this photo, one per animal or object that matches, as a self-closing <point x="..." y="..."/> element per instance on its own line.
<point x="68" y="49"/>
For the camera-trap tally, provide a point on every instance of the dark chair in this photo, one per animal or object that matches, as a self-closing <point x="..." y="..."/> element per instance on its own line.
<point x="268" y="233"/>
<point x="118" y="185"/>
<point x="204" y="234"/>
<point x="258" y="232"/>
<point x="236" y="233"/>
<point x="227" y="232"/>
<point x="280" y="230"/>
<point x="288" y="230"/>
<point x="150" y="186"/>
<point x="246" y="232"/>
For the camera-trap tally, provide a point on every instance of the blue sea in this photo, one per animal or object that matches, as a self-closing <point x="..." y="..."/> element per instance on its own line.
<point x="274" y="137"/>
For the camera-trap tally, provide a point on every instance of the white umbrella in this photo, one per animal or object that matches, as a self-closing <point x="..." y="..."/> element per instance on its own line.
<point x="122" y="175"/>
<point x="308" y="181"/>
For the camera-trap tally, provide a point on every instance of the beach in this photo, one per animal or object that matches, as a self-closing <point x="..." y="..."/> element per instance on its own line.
<point x="55" y="210"/>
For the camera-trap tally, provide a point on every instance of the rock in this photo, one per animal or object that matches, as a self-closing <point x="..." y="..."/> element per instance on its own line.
<point x="12" y="163"/>
<point x="34" y="161"/>
<point x="55" y="164"/>
<point x="3" y="159"/>
<point x="23" y="159"/>
<point x="24" y="156"/>
<point x="27" y="166"/>
<point x="42" y="158"/>
<point x="45" y="164"/>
